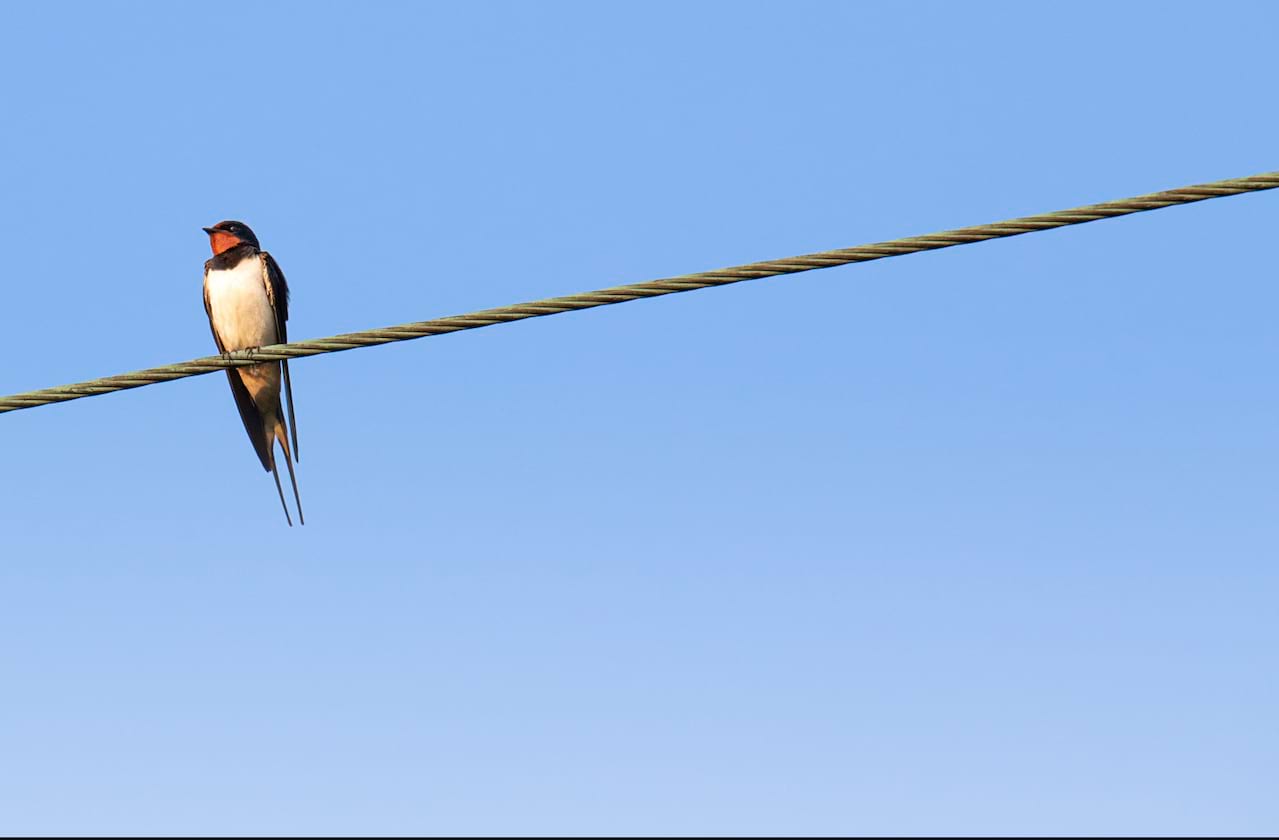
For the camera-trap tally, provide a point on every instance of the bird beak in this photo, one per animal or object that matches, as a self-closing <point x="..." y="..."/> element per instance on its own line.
<point x="208" y="230"/>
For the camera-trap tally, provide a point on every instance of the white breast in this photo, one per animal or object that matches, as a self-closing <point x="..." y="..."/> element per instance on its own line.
<point x="238" y="305"/>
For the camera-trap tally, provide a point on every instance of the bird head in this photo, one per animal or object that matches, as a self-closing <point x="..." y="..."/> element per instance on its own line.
<point x="226" y="235"/>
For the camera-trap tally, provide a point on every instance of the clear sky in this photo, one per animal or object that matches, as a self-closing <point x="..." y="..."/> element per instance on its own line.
<point x="981" y="540"/>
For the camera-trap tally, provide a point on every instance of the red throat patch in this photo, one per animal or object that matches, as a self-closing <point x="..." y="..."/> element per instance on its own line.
<point x="221" y="241"/>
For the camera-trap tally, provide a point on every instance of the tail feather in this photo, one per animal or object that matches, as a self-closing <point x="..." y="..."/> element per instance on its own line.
<point x="275" y="472"/>
<point x="282" y="435"/>
<point x="293" y="421"/>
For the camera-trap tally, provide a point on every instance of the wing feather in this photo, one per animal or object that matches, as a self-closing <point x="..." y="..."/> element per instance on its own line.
<point x="278" y="291"/>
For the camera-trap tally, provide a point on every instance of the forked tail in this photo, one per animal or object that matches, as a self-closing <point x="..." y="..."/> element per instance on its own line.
<point x="280" y="490"/>
<point x="282" y="435"/>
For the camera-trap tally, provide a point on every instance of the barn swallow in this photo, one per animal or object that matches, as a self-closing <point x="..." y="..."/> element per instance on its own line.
<point x="247" y="300"/>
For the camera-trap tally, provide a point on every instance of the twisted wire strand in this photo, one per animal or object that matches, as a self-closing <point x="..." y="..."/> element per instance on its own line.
<point x="637" y="291"/>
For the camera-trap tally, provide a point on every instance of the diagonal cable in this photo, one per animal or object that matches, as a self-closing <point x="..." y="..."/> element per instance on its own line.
<point x="636" y="291"/>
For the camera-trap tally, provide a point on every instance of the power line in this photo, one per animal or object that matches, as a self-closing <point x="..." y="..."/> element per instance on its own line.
<point x="636" y="291"/>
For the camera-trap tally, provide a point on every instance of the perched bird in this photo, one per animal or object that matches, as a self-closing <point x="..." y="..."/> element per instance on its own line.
<point x="247" y="300"/>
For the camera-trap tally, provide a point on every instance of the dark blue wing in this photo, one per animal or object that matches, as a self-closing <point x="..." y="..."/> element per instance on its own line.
<point x="280" y="298"/>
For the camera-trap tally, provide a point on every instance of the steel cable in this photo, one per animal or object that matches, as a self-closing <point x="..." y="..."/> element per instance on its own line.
<point x="638" y="291"/>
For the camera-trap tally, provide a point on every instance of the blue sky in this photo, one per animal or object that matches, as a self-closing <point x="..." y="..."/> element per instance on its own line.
<point x="977" y="541"/>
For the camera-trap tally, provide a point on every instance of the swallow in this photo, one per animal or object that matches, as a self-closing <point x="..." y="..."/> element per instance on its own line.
<point x="247" y="300"/>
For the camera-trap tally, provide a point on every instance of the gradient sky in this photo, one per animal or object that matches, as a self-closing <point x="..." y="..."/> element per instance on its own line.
<point x="976" y="541"/>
